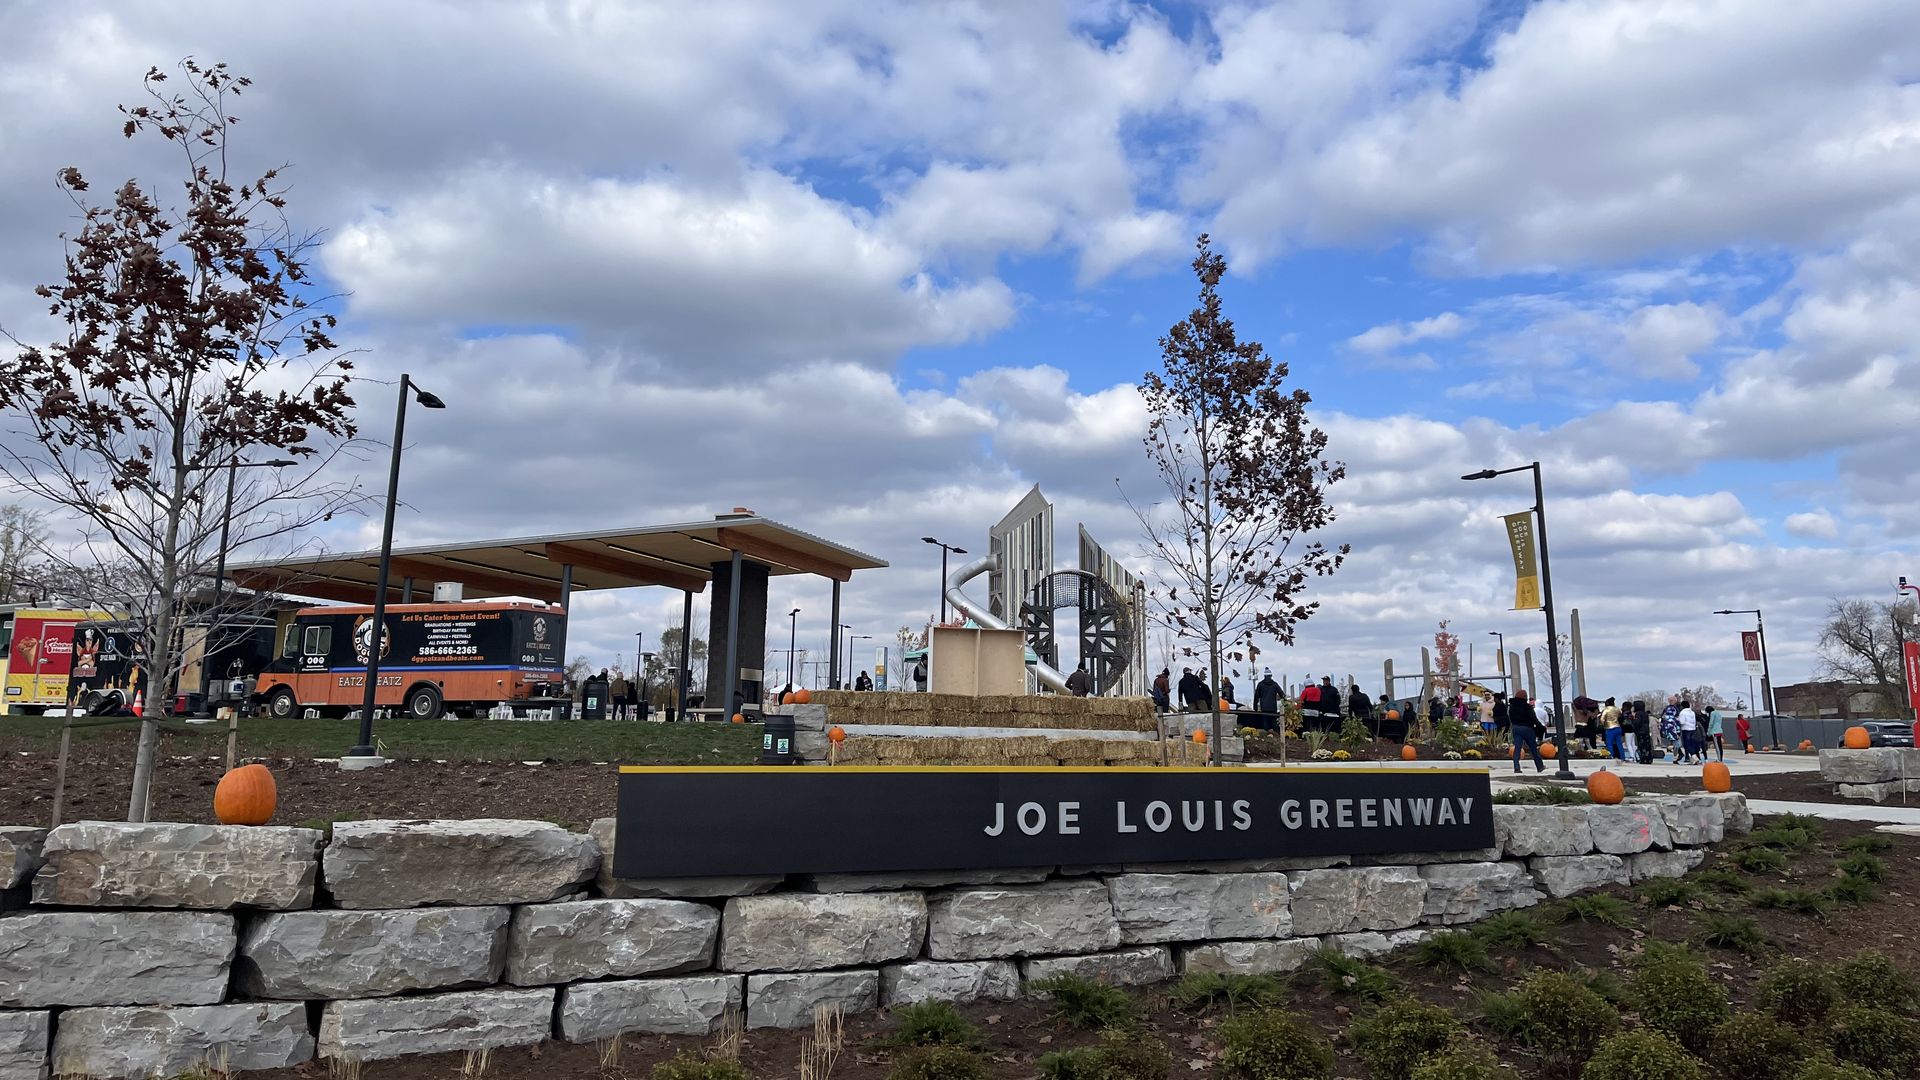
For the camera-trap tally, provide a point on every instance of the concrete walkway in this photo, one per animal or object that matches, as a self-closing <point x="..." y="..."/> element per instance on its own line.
<point x="1739" y="765"/>
<point x="1890" y="814"/>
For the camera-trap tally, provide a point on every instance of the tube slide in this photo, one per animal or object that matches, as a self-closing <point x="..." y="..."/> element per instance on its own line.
<point x="960" y="576"/>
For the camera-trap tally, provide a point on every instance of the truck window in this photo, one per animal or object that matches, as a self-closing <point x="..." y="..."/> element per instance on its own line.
<point x="290" y="646"/>
<point x="319" y="641"/>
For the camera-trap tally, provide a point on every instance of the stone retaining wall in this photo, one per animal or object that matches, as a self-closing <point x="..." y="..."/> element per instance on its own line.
<point x="142" y="950"/>
<point x="1876" y="774"/>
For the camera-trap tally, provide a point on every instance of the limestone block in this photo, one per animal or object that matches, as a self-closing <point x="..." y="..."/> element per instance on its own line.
<point x="169" y="865"/>
<point x="787" y="999"/>
<point x="1425" y="858"/>
<point x="594" y="939"/>
<point x="155" y="1042"/>
<point x="1877" y="793"/>
<point x="922" y="879"/>
<point x="114" y="958"/>
<point x="1360" y="898"/>
<point x="1736" y="818"/>
<point x="1367" y="945"/>
<point x="1663" y="864"/>
<point x="1860" y="766"/>
<point x="312" y="955"/>
<point x="1520" y="831"/>
<point x="1628" y="828"/>
<point x="372" y="1029"/>
<point x="1248" y="957"/>
<point x="1241" y="866"/>
<point x="1200" y="907"/>
<point x="809" y="931"/>
<point x="1469" y="892"/>
<point x="1564" y="875"/>
<point x="685" y="1005"/>
<point x="605" y="830"/>
<point x="1143" y="966"/>
<point x="23" y="1044"/>
<point x="398" y="864"/>
<point x="1021" y="920"/>
<point x="19" y="854"/>
<point x="1693" y="819"/>
<point x="963" y="980"/>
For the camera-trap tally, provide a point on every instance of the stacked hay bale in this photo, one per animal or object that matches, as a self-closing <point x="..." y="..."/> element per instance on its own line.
<point x="994" y="730"/>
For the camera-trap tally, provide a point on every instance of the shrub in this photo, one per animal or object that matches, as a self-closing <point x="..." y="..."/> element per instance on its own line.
<point x="1737" y="933"/>
<point x="1853" y="890"/>
<point x="937" y="1063"/>
<point x="1641" y="1055"/>
<point x="1118" y="1056"/>
<point x="1201" y="990"/>
<point x="1453" y="949"/>
<point x="1605" y="983"/>
<point x="1351" y="975"/>
<point x="1354" y="733"/>
<point x="1273" y="1045"/>
<point x="1869" y="978"/>
<point x="1450" y="734"/>
<point x="1877" y="1039"/>
<point x="1399" y="1035"/>
<point x="1670" y="892"/>
<point x="1463" y="1061"/>
<point x="931" y="1022"/>
<point x="1721" y="880"/>
<point x="1862" y="865"/>
<point x="1665" y="952"/>
<point x="1801" y="901"/>
<point x="1754" y="1046"/>
<point x="1607" y="910"/>
<point x="1867" y="844"/>
<point x="1511" y="930"/>
<point x="685" y="1066"/>
<point x="1679" y="997"/>
<point x="1541" y="795"/>
<point x="1553" y="1013"/>
<point x="1835" y="1070"/>
<point x="1787" y="835"/>
<point x="1760" y="860"/>
<point x="1807" y="823"/>
<point x="1797" y="991"/>
<point x="1084" y="1003"/>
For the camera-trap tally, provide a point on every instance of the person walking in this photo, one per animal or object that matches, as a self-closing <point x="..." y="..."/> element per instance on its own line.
<point x="1226" y="691"/>
<point x="1689" y="722"/>
<point x="1080" y="684"/>
<point x="1163" y="691"/>
<point x="1190" y="690"/>
<point x="1670" y="728"/>
<point x="863" y="683"/>
<point x="1360" y="707"/>
<point x="920" y="675"/>
<point x="1526" y="727"/>
<point x="1716" y="736"/>
<point x="1743" y="730"/>
<point x="1611" y="730"/>
<point x="1266" y="697"/>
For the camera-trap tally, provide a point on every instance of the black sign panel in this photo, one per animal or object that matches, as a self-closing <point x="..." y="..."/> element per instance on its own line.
<point x="788" y="820"/>
<point x="438" y="637"/>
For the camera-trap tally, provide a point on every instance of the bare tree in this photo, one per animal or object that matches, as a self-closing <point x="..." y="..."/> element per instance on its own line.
<point x="23" y="536"/>
<point x="1860" y="644"/>
<point x="193" y="336"/>
<point x="1247" y="475"/>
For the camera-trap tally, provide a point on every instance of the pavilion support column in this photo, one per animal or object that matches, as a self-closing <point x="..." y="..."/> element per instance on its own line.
<point x="566" y="586"/>
<point x="737" y="650"/>
<point x="686" y="656"/>
<point x="833" y="641"/>
<point x="406" y="590"/>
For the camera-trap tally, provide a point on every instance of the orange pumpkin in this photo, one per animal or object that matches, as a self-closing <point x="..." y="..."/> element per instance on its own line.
<point x="1857" y="738"/>
<point x="1408" y="753"/>
<point x="837" y="733"/>
<point x="801" y="697"/>
<point x="1393" y="714"/>
<point x="1225" y="705"/>
<point x="1806" y="744"/>
<point x="246" y="796"/>
<point x="1200" y="736"/>
<point x="1716" y="778"/>
<point x="1548" y="750"/>
<point x="738" y="719"/>
<point x="1605" y="788"/>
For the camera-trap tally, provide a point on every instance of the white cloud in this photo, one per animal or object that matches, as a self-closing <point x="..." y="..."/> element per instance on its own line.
<point x="1387" y="337"/>
<point x="1813" y="525"/>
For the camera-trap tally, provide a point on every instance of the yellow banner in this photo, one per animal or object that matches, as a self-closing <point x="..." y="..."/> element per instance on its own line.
<point x="1526" y="572"/>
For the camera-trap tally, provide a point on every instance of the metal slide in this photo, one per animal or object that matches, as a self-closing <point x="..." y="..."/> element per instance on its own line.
<point x="960" y="576"/>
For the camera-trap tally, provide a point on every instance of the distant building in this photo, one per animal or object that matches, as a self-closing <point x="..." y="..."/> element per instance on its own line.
<point x="1837" y="701"/>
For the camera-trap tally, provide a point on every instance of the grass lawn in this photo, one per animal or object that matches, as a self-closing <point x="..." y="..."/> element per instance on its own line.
<point x="637" y="743"/>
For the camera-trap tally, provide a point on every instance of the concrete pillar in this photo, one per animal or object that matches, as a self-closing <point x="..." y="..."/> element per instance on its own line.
<point x="750" y="643"/>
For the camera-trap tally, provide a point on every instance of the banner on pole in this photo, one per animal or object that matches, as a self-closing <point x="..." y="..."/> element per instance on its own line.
<point x="1526" y="571"/>
<point x="1912" y="659"/>
<point x="1750" y="651"/>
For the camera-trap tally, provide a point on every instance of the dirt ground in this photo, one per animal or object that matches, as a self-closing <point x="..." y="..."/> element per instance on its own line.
<point x="1794" y="787"/>
<point x="1015" y="1034"/>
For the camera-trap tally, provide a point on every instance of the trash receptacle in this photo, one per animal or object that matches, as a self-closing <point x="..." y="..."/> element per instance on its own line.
<point x="776" y="740"/>
<point x="593" y="699"/>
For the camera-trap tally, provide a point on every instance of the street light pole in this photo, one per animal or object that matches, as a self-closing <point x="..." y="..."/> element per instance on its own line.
<point x="378" y="637"/>
<point x="945" y="549"/>
<point x="234" y="465"/>
<point x="1565" y="771"/>
<point x="1766" y="669"/>
<point x="833" y="676"/>
<point x="639" y="666"/>
<point x="851" y="638"/>
<point x="1499" y="662"/>
<point x="793" y="637"/>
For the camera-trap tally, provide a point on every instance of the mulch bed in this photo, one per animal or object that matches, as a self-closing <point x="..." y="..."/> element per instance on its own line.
<point x="1015" y="1034"/>
<point x="1786" y="787"/>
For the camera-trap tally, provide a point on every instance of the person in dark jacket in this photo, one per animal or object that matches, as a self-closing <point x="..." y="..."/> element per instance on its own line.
<point x="1359" y="705"/>
<point x="1266" y="694"/>
<point x="1163" y="691"/>
<point x="1190" y="690"/>
<point x="1226" y="691"/>
<point x="1080" y="684"/>
<point x="1330" y="701"/>
<point x="1526" y="731"/>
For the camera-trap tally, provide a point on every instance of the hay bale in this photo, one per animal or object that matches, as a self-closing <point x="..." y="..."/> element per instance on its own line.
<point x="1042" y="704"/>
<point x="1079" y="748"/>
<point x="1036" y="761"/>
<point x="994" y="703"/>
<point x="1015" y="746"/>
<point x="830" y="698"/>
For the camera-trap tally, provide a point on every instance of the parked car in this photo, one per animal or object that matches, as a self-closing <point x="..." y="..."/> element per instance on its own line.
<point x="1886" y="733"/>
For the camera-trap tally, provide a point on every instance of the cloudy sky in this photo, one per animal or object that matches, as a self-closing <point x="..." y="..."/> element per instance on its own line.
<point x="874" y="269"/>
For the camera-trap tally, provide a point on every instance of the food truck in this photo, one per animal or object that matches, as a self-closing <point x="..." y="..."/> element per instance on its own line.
<point x="38" y="647"/>
<point x="464" y="657"/>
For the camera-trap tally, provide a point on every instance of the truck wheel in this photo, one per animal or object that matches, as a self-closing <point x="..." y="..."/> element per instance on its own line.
<point x="423" y="703"/>
<point x="282" y="704"/>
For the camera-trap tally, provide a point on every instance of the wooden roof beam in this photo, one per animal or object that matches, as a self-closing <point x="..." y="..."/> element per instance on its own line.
<point x="319" y="588"/>
<point x="607" y="562"/>
<point x="487" y="582"/>
<point x="770" y="552"/>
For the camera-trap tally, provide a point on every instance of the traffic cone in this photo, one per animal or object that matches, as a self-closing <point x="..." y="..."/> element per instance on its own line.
<point x="140" y="703"/>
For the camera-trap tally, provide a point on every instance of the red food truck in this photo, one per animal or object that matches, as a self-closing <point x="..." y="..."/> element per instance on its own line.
<point x="433" y="658"/>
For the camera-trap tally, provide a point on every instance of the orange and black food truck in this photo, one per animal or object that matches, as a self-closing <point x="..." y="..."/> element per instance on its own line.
<point x="434" y="658"/>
